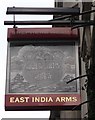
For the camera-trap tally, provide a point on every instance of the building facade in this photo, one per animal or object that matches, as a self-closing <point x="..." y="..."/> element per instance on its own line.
<point x="86" y="58"/>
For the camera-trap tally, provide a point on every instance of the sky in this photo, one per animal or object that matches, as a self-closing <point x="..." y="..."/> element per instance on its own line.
<point x="3" y="51"/>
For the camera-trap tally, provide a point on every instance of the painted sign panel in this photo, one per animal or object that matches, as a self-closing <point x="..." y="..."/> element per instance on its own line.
<point x="37" y="75"/>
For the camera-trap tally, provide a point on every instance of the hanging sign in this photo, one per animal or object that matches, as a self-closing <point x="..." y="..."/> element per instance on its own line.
<point x="40" y="62"/>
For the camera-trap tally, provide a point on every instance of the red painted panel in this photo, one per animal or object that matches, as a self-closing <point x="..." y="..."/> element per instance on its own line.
<point x="30" y="33"/>
<point x="42" y="100"/>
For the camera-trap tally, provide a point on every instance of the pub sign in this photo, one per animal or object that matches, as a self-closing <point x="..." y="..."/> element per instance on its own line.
<point x="39" y="63"/>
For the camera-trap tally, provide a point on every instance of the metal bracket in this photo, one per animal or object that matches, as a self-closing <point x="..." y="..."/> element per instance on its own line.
<point x="70" y="13"/>
<point x="43" y="11"/>
<point x="71" y="23"/>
